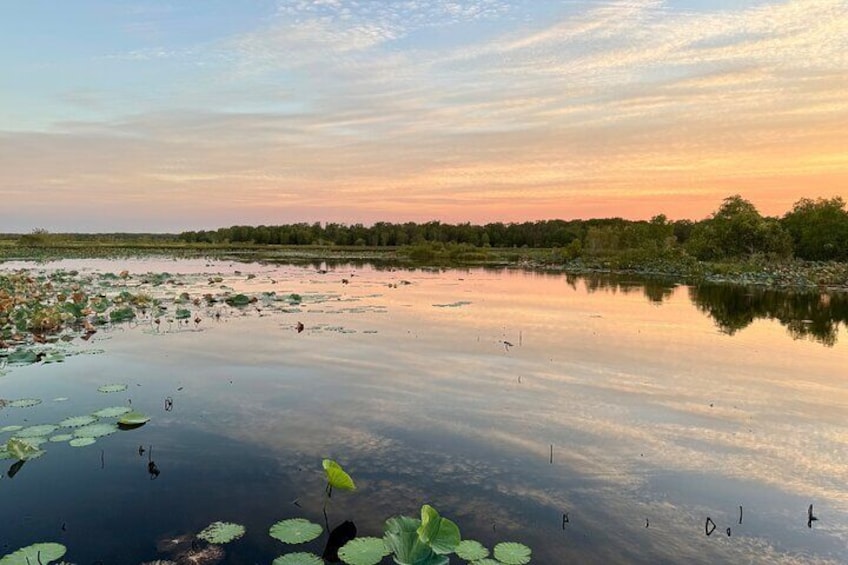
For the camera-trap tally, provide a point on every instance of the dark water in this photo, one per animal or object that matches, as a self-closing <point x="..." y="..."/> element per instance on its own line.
<point x="664" y="405"/>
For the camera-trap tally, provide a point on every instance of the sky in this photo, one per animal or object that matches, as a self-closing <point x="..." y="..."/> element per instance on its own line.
<point x="163" y="116"/>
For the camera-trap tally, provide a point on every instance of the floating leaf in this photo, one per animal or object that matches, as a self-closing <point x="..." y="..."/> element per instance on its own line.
<point x="22" y="449"/>
<point x="81" y="441"/>
<point x="77" y="421"/>
<point x="471" y="550"/>
<point x="112" y="388"/>
<point x="295" y="530"/>
<point x="122" y="314"/>
<point x="221" y="532"/>
<point x="133" y="419"/>
<point x="40" y="430"/>
<point x="441" y="534"/>
<point x="24" y="402"/>
<point x="36" y="553"/>
<point x="182" y="314"/>
<point x="23" y="357"/>
<point x="298" y="559"/>
<point x="112" y="411"/>
<point x="337" y="477"/>
<point x="512" y="553"/>
<point x="486" y="562"/>
<point x="96" y="430"/>
<point x="10" y="428"/>
<point x="59" y="438"/>
<point x="363" y="551"/>
<point x="238" y="300"/>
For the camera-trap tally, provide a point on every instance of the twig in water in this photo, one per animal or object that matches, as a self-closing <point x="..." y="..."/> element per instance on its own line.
<point x="810" y="517"/>
<point x="102" y="460"/>
<point x="740" y="513"/>
<point x="709" y="526"/>
<point x="564" y="520"/>
<point x="552" y="454"/>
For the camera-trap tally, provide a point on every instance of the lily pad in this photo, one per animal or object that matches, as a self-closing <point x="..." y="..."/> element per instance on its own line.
<point x="486" y="562"/>
<point x="112" y="411"/>
<point x="295" y="530"/>
<point x="337" y="477"/>
<point x="112" y="388"/>
<point x="512" y="553"/>
<point x="471" y="550"/>
<point x="24" y="402"/>
<point x="77" y="421"/>
<point x="59" y="438"/>
<point x="11" y="428"/>
<point x="40" y="430"/>
<point x="133" y="419"/>
<point x="96" y="430"/>
<point x="221" y="532"/>
<point x="298" y="559"/>
<point x="363" y="551"/>
<point x="36" y="553"/>
<point x="81" y="441"/>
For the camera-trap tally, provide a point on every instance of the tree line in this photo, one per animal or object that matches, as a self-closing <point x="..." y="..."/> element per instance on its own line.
<point x="812" y="230"/>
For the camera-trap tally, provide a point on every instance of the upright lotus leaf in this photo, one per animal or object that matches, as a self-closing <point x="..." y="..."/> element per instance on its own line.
<point x="336" y="476"/>
<point x="441" y="534"/>
<point x="221" y="532"/>
<point x="295" y="530"/>
<point x="298" y="559"/>
<point x="22" y="449"/>
<point x="401" y="538"/>
<point x="43" y="553"/>
<point x="512" y="553"/>
<point x="363" y="551"/>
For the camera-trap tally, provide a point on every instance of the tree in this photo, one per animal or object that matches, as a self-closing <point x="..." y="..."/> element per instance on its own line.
<point x="819" y="228"/>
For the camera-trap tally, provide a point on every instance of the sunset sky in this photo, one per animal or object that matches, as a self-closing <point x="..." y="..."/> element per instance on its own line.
<point x="187" y="114"/>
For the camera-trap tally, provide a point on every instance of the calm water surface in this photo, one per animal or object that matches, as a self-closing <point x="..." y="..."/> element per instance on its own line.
<point x="503" y="398"/>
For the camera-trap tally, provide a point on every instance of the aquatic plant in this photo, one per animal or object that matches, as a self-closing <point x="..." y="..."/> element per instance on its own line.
<point x="43" y="553"/>
<point x="363" y="551"/>
<point x="471" y="550"/>
<point x="112" y="411"/>
<point x="118" y="387"/>
<point x="298" y="559"/>
<point x="337" y="477"/>
<point x="512" y="553"/>
<point x="133" y="419"/>
<point x="221" y="532"/>
<point x="295" y="530"/>
<point x="22" y="449"/>
<point x="78" y="421"/>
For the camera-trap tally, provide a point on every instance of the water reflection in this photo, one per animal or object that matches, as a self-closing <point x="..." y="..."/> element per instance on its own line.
<point x="811" y="315"/>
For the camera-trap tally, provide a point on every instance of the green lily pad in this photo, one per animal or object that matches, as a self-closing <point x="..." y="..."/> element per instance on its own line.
<point x="81" y="441"/>
<point x="298" y="559"/>
<point x="337" y="477"/>
<point x="10" y="428"/>
<point x="134" y="419"/>
<point x="40" y="430"/>
<point x="512" y="553"/>
<point x="96" y="430"/>
<point x="295" y="530"/>
<point x="363" y="551"/>
<point x="24" y="402"/>
<point x="221" y="532"/>
<point x="238" y="300"/>
<point x="59" y="438"/>
<point x="471" y="550"/>
<point x="36" y="553"/>
<point x="112" y="411"/>
<point x="112" y="388"/>
<point x="77" y="421"/>
<point x="486" y="562"/>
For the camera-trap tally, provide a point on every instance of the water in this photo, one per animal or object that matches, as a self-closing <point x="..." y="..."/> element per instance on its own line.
<point x="505" y="399"/>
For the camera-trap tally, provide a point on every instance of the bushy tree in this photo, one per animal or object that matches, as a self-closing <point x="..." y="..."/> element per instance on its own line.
<point x="819" y="228"/>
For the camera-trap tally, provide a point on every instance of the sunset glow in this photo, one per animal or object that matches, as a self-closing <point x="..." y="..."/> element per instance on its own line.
<point x="165" y="116"/>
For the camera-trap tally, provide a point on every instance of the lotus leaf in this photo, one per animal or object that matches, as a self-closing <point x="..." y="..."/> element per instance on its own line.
<point x="295" y="530"/>
<point x="77" y="421"/>
<point x="486" y="562"/>
<point x="4" y="453"/>
<point x="40" y="430"/>
<point x="298" y="559"/>
<point x="112" y="411"/>
<point x="401" y="537"/>
<point x="24" y="402"/>
<point x="182" y="314"/>
<point x="59" y="438"/>
<point x="96" y="430"/>
<point x="471" y="550"/>
<point x="336" y="476"/>
<point x="23" y="356"/>
<point x="122" y="314"/>
<point x="22" y="449"/>
<point x="512" y="553"/>
<point x="36" y="553"/>
<point x="81" y="441"/>
<point x="441" y="534"/>
<point x="10" y="428"/>
<point x="238" y="300"/>
<point x="363" y="551"/>
<point x="112" y="388"/>
<point x="221" y="532"/>
<point x="36" y="441"/>
<point x="133" y="419"/>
